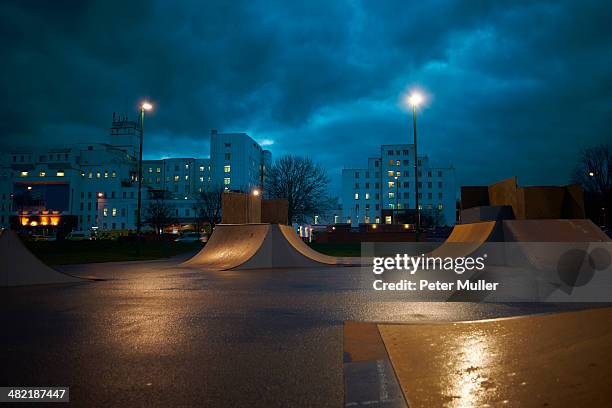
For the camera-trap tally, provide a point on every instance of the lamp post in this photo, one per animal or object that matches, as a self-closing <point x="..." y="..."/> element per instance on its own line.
<point x="415" y="100"/>
<point x="146" y="106"/>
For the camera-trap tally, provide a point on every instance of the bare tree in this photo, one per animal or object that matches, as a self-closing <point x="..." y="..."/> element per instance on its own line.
<point x="208" y="206"/>
<point x="594" y="173"/>
<point x="302" y="183"/>
<point x="159" y="214"/>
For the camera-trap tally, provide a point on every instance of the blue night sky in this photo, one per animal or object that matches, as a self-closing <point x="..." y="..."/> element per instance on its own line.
<point x="513" y="88"/>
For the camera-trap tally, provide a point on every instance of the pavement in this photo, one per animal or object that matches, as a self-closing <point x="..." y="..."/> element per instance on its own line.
<point x="157" y="334"/>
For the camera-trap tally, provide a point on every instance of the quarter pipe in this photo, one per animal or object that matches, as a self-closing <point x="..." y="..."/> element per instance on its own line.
<point x="18" y="266"/>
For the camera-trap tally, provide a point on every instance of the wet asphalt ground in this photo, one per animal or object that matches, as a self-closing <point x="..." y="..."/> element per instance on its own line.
<point x="155" y="334"/>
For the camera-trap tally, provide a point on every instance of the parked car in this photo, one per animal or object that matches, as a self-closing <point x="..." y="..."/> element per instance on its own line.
<point x="79" y="236"/>
<point x="192" y="237"/>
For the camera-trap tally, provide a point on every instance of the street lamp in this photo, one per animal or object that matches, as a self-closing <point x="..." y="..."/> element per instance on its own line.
<point x="146" y="106"/>
<point x="256" y="192"/>
<point x="415" y="99"/>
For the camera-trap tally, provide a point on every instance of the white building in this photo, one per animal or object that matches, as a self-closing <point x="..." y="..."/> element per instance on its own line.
<point x="385" y="187"/>
<point x="83" y="186"/>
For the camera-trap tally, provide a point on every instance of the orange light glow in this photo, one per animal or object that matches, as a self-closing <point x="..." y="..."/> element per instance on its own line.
<point x="55" y="220"/>
<point x="33" y="223"/>
<point x="24" y="221"/>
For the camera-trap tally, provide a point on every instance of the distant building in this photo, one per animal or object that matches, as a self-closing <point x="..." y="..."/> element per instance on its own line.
<point x="94" y="185"/>
<point x="384" y="191"/>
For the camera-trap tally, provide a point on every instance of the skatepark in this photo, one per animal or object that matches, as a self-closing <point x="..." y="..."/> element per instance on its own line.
<point x="257" y="316"/>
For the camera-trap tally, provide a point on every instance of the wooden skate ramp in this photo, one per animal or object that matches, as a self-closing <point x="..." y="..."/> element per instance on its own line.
<point x="230" y="246"/>
<point x="260" y="246"/>
<point x="19" y="267"/>
<point x="465" y="239"/>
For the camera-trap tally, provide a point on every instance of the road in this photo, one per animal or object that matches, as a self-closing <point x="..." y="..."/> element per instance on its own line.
<point x="155" y="334"/>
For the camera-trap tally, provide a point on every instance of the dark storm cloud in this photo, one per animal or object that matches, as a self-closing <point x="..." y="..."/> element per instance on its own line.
<point x="514" y="88"/>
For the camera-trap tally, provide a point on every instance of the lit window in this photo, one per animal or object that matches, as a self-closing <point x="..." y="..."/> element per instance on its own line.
<point x="377" y="220"/>
<point x="186" y="177"/>
<point x="176" y="178"/>
<point x="105" y="212"/>
<point x="391" y="184"/>
<point x="440" y="206"/>
<point x="367" y="196"/>
<point x="387" y="219"/>
<point x="42" y="174"/>
<point x="114" y="174"/>
<point x="367" y="219"/>
<point x="60" y="173"/>
<point x="391" y="195"/>
<point x="397" y="163"/>
<point x="150" y="169"/>
<point x="226" y="181"/>
<point x="356" y="196"/>
<point x="98" y="175"/>
<point x="24" y="174"/>
<point x="106" y="174"/>
<point x="390" y="173"/>
<point x="114" y="212"/>
<point x="227" y="168"/>
<point x="201" y="179"/>
<point x="201" y="168"/>
<point x="186" y="167"/>
<point x="90" y="175"/>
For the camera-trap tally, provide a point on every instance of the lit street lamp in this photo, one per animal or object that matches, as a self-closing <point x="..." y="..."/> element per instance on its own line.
<point x="415" y="99"/>
<point x="146" y="106"/>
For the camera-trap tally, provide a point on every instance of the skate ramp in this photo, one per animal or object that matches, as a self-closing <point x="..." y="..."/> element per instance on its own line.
<point x="580" y="230"/>
<point x="230" y="246"/>
<point x="260" y="246"/>
<point x="465" y="239"/>
<point x="558" y="247"/>
<point x="19" y="267"/>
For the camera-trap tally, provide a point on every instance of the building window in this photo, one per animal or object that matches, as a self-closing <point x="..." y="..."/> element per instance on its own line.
<point x="376" y="163"/>
<point x="398" y="162"/>
<point x="356" y="196"/>
<point x="439" y="196"/>
<point x="114" y="212"/>
<point x="228" y="156"/>
<point x="439" y="174"/>
<point x="42" y="174"/>
<point x="391" y="184"/>
<point x="356" y="174"/>
<point x="405" y="152"/>
<point x="367" y="185"/>
<point x="186" y="167"/>
<point x="105" y="212"/>
<point x="367" y="175"/>
<point x="391" y="162"/>
<point x="440" y="206"/>
<point x="228" y="145"/>
<point x="186" y="177"/>
<point x="391" y="194"/>
<point x="176" y="178"/>
<point x="90" y="175"/>
<point x="201" y="179"/>
<point x="226" y="181"/>
<point x="439" y="184"/>
<point x="150" y="169"/>
<point x="406" y="162"/>
<point x="390" y="173"/>
<point x="24" y="174"/>
<point x="98" y="175"/>
<point x="201" y="168"/>
<point x="406" y="184"/>
<point x="227" y="168"/>
<point x="387" y="219"/>
<point x="60" y="173"/>
<point x="389" y="152"/>
<point x="356" y="185"/>
<point x="367" y="196"/>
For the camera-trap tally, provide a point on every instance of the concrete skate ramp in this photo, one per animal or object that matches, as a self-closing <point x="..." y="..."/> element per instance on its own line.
<point x="259" y="246"/>
<point x="19" y="267"/>
<point x="465" y="239"/>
